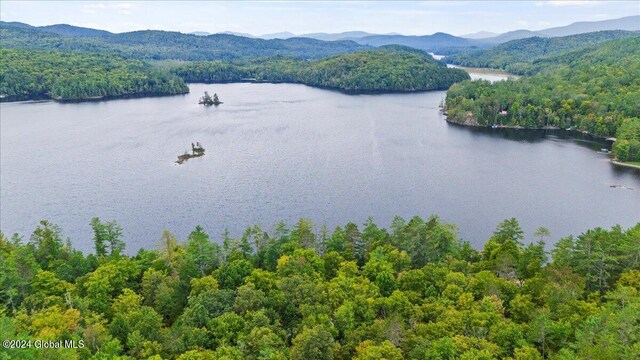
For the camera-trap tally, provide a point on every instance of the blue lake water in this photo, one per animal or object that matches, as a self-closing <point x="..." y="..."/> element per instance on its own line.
<point x="284" y="151"/>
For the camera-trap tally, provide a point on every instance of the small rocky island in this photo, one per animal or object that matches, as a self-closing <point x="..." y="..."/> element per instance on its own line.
<point x="196" y="151"/>
<point x="208" y="100"/>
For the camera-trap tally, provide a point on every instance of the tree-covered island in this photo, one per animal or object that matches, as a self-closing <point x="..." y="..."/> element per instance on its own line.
<point x="197" y="150"/>
<point x="209" y="100"/>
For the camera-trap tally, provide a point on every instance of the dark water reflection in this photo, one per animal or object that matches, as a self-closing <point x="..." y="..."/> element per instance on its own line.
<point x="535" y="136"/>
<point x="281" y="151"/>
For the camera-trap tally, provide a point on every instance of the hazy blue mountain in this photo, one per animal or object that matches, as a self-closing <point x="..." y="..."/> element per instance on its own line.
<point x="439" y="43"/>
<point x="480" y="35"/>
<point x="60" y="29"/>
<point x="629" y="23"/>
<point x="510" y="36"/>
<point x="348" y="35"/>
<point x="279" y="35"/>
<point x="70" y="30"/>
<point x="16" y="24"/>
<point x="170" y="45"/>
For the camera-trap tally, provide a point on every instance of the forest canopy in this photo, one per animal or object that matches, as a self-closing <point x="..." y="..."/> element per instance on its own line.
<point x="521" y="56"/>
<point x="384" y="69"/>
<point x="595" y="89"/>
<point x="67" y="75"/>
<point x="72" y="76"/>
<point x="169" y="45"/>
<point x="415" y="291"/>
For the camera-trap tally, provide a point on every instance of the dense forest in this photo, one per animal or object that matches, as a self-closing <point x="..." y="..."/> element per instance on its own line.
<point x="88" y="64"/>
<point x="388" y="68"/>
<point x="71" y="75"/>
<point x="167" y="45"/>
<point x="520" y="56"/>
<point x="627" y="145"/>
<point x="595" y="89"/>
<point x="415" y="291"/>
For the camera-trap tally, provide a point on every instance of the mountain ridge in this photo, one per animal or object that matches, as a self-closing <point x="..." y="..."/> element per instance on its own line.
<point x="171" y="45"/>
<point x="627" y="23"/>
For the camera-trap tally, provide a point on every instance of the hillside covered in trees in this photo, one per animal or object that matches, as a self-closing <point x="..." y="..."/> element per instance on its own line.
<point x="413" y="292"/>
<point x="168" y="45"/>
<point x="72" y="76"/>
<point x="594" y="89"/>
<point x="78" y="63"/>
<point x="521" y="56"/>
<point x="384" y="69"/>
<point x="438" y="43"/>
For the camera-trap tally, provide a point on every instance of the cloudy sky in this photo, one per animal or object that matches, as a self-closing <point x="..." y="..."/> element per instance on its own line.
<point x="412" y="17"/>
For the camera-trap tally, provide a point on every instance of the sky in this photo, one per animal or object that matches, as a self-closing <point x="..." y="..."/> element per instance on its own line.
<point x="407" y="17"/>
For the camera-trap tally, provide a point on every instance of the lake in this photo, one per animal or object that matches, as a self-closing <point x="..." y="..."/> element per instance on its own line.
<point x="485" y="74"/>
<point x="285" y="151"/>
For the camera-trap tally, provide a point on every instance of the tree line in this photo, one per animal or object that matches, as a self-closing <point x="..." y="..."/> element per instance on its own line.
<point x="414" y="291"/>
<point x="595" y="89"/>
<point x="384" y="69"/>
<point x="68" y="75"/>
<point x="169" y="45"/>
<point x="72" y="76"/>
<point x="523" y="55"/>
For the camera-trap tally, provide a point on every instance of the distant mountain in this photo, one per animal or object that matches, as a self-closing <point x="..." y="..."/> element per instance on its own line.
<point x="16" y="24"/>
<point x="438" y="43"/>
<point x="60" y="29"/>
<point x="168" y="45"/>
<point x="480" y="35"/>
<point x="279" y="35"/>
<point x="510" y="36"/>
<point x="200" y="33"/>
<point x="236" y="34"/>
<point x="70" y="30"/>
<point x="629" y="23"/>
<point x="519" y="56"/>
<point x="348" y="35"/>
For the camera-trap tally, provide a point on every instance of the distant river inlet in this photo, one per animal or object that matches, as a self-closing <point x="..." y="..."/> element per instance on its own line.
<point x="285" y="151"/>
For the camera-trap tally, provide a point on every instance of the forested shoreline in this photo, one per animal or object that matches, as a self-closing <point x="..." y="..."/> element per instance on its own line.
<point x="415" y="291"/>
<point x="595" y="89"/>
<point x="384" y="69"/>
<point x="81" y="76"/>
<point x="526" y="56"/>
<point x="66" y="75"/>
